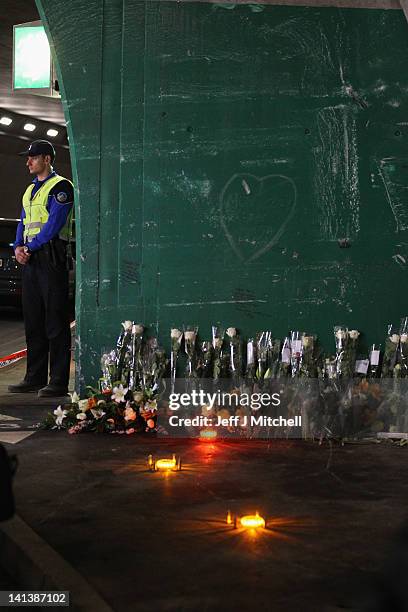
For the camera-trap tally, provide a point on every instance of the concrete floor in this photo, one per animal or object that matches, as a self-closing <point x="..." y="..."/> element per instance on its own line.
<point x="149" y="541"/>
<point x="159" y="543"/>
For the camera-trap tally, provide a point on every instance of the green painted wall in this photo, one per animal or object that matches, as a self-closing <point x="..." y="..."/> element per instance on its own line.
<point x="220" y="154"/>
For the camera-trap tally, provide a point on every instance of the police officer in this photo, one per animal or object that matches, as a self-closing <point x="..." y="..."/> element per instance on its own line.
<point x="41" y="247"/>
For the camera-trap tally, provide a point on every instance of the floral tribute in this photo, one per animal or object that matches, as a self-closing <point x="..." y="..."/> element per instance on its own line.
<point x="126" y="400"/>
<point x="353" y="391"/>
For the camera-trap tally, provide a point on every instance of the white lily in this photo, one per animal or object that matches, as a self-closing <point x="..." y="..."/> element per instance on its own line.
<point x="74" y="397"/>
<point x="97" y="413"/>
<point x="138" y="396"/>
<point x="83" y="405"/>
<point x="81" y="416"/>
<point x="60" y="415"/>
<point x="118" y="394"/>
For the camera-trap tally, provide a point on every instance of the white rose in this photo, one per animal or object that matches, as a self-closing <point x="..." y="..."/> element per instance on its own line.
<point x="81" y="416"/>
<point x="231" y="332"/>
<point x="404" y="338"/>
<point x="189" y="335"/>
<point x="127" y="325"/>
<point x="176" y="333"/>
<point x="395" y="338"/>
<point x="138" y="329"/>
<point x="354" y="334"/>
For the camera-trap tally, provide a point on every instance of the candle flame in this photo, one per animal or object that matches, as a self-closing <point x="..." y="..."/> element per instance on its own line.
<point x="252" y="521"/>
<point x="166" y="464"/>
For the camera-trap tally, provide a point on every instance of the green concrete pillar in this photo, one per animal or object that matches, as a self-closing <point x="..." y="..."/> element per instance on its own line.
<point x="220" y="153"/>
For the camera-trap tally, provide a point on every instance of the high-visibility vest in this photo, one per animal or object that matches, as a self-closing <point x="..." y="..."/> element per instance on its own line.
<point x="36" y="213"/>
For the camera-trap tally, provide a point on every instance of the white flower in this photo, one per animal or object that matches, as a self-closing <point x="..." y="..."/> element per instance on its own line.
<point x="138" y="329"/>
<point x="74" y="397"/>
<point x="81" y="416"/>
<point x="404" y="338"/>
<point x="341" y="334"/>
<point x="354" y="334"/>
<point x="119" y="393"/>
<point x="176" y="333"/>
<point x="190" y="335"/>
<point x="138" y="396"/>
<point x="127" y="325"/>
<point x="395" y="338"/>
<point x="97" y="413"/>
<point x="83" y="405"/>
<point x="231" y="332"/>
<point x="60" y="415"/>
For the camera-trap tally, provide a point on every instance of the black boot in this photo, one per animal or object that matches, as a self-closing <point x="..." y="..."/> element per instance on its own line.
<point x="53" y="391"/>
<point x="24" y="387"/>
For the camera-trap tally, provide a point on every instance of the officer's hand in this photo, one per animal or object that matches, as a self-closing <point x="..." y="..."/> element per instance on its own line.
<point x="21" y="256"/>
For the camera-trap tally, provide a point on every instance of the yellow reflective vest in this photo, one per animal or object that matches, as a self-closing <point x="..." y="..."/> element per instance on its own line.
<point x="36" y="213"/>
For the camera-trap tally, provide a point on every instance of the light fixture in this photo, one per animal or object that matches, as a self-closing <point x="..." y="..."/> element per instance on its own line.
<point x="5" y="120"/>
<point x="165" y="465"/>
<point x="52" y="133"/>
<point x="29" y="127"/>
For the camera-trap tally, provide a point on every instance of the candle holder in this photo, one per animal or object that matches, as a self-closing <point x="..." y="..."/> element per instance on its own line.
<point x="248" y="521"/>
<point x="164" y="465"/>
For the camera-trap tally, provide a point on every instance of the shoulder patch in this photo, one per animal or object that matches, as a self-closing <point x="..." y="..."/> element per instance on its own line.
<point x="62" y="197"/>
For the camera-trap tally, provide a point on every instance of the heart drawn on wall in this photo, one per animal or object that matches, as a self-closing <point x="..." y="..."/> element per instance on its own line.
<point x="255" y="212"/>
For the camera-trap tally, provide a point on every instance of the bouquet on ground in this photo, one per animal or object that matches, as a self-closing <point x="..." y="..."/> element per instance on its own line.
<point x="308" y="366"/>
<point x="136" y="341"/>
<point x="121" y="411"/>
<point x="176" y="336"/>
<point x="190" y="337"/>
<point x="235" y="355"/>
<point x="403" y="347"/>
<point x="263" y="344"/>
<point x="250" y="362"/>
<point x="217" y="343"/>
<point x="390" y="359"/>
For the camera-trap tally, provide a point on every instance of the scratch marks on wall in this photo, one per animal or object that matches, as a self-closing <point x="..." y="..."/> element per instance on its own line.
<point x="305" y="39"/>
<point x="392" y="172"/>
<point x="336" y="183"/>
<point x="254" y="212"/>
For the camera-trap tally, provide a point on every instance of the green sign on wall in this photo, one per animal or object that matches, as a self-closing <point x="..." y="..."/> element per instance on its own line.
<point x="31" y="58"/>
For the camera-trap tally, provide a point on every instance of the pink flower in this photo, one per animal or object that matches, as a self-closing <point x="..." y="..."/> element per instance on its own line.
<point x="130" y="414"/>
<point x="130" y="430"/>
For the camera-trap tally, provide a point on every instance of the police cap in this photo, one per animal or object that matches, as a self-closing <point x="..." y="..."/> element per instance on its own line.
<point x="40" y="147"/>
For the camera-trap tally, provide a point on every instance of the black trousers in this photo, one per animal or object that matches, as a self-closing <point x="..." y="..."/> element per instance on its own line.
<point x="46" y="317"/>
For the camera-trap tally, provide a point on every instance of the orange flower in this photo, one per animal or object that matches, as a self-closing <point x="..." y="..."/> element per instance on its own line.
<point x="92" y="402"/>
